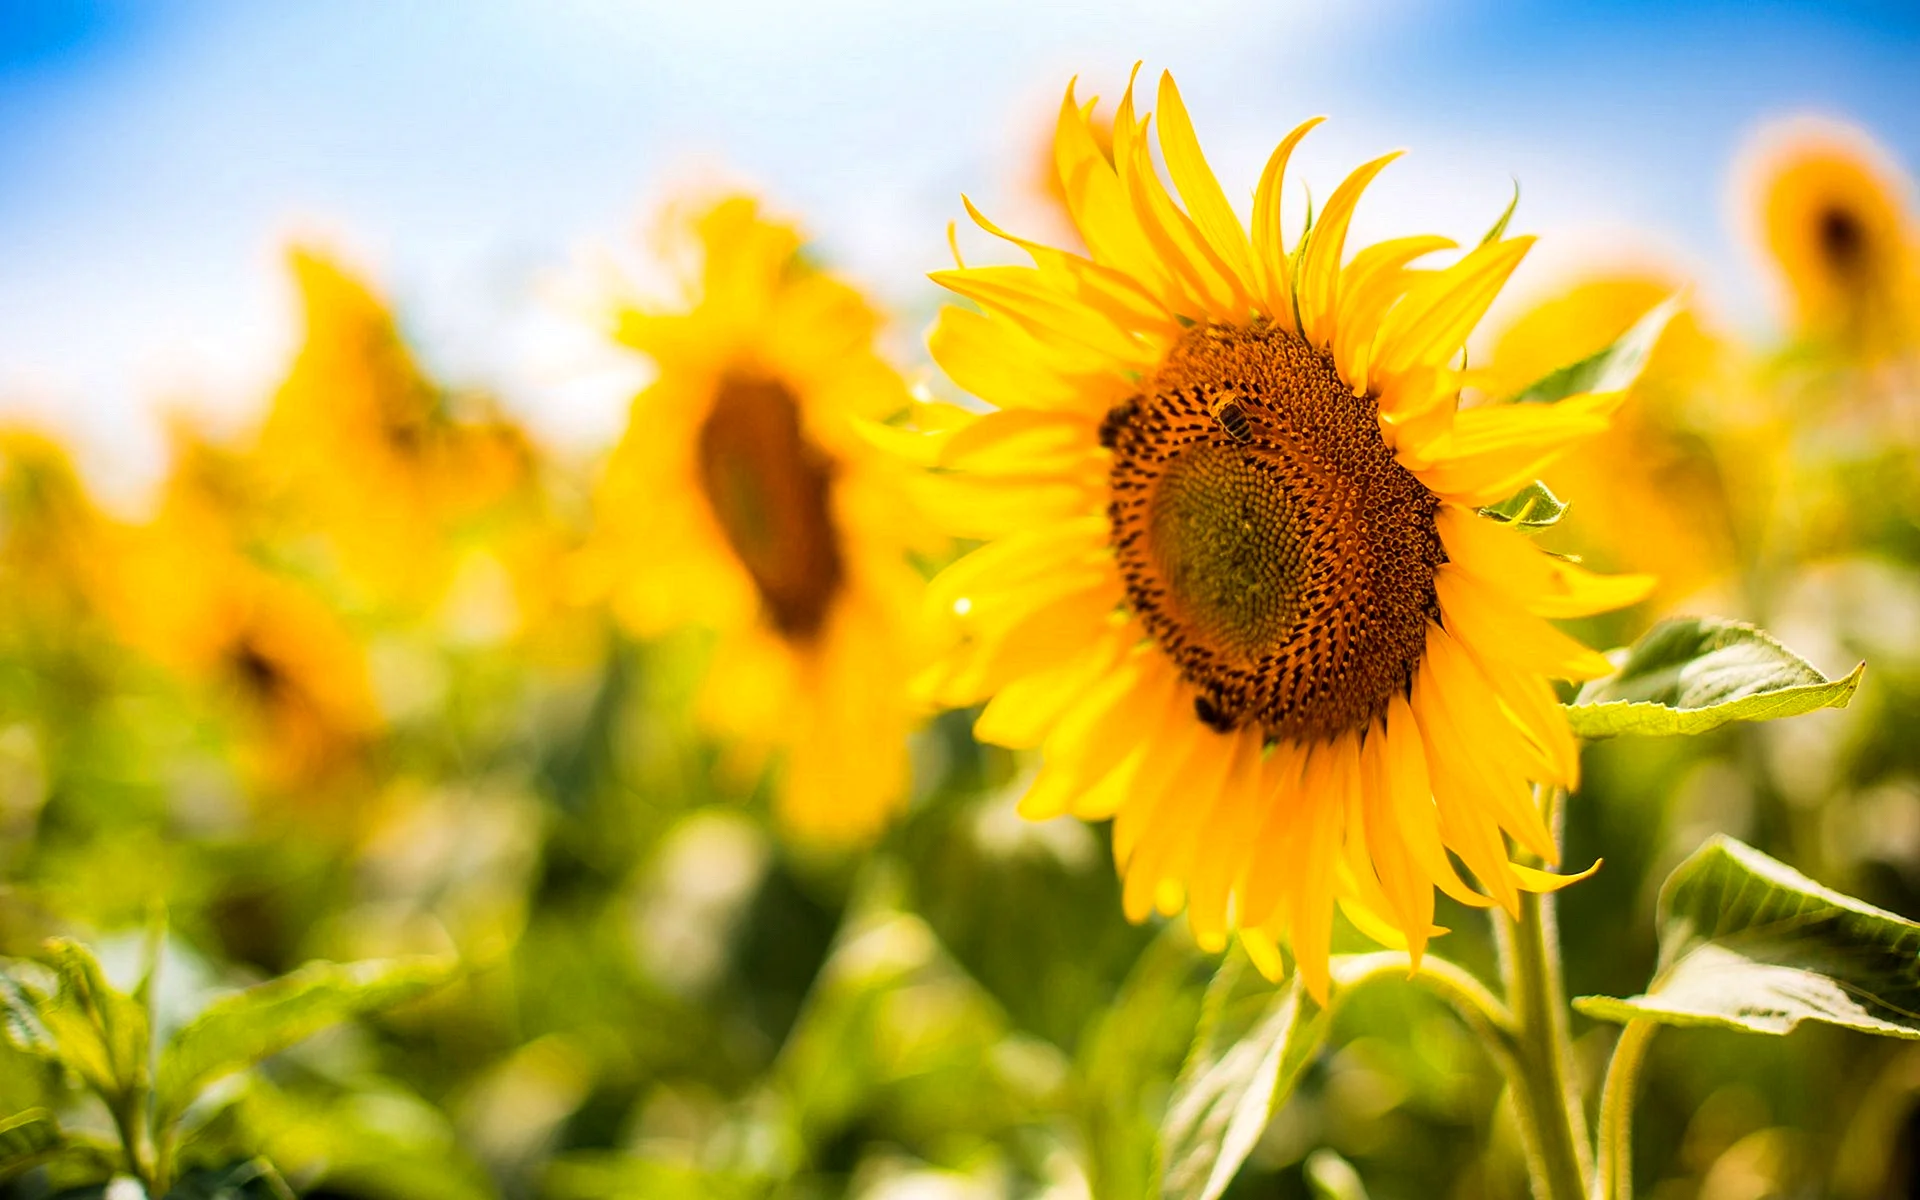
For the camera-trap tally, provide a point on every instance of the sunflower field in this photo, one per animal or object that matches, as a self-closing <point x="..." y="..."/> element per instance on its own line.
<point x="1197" y="693"/>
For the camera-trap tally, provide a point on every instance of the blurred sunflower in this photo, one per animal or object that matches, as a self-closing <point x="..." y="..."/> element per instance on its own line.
<point x="1833" y="219"/>
<point x="50" y="533"/>
<point x="361" y="449"/>
<point x="1654" y="471"/>
<point x="188" y="589"/>
<point x="744" y="498"/>
<point x="1237" y="586"/>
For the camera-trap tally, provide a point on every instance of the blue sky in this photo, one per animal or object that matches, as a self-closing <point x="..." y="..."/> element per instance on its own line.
<point x="154" y="159"/>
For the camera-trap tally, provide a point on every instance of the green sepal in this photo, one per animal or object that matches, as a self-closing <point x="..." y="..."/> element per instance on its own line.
<point x="1530" y="509"/>
<point x="1499" y="229"/>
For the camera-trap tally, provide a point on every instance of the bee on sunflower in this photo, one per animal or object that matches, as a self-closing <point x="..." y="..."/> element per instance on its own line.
<point x="1237" y="587"/>
<point x="744" y="497"/>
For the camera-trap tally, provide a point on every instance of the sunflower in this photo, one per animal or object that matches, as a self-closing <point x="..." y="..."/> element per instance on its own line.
<point x="50" y="533"/>
<point x="188" y="588"/>
<point x="1832" y="214"/>
<point x="370" y="458"/>
<point x="1237" y="586"/>
<point x="744" y="497"/>
<point x="1654" y="471"/>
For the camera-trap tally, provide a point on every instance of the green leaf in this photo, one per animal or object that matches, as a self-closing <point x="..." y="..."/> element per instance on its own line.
<point x="1690" y="675"/>
<point x="101" y="1033"/>
<point x="254" y="1179"/>
<point x="238" y="1030"/>
<point x="20" y="1020"/>
<point x="1610" y="370"/>
<point x="27" y="1140"/>
<point x="1749" y="943"/>
<point x="1133" y="1047"/>
<point x="1332" y="1177"/>
<point x="1247" y="1055"/>
<point x="1532" y="508"/>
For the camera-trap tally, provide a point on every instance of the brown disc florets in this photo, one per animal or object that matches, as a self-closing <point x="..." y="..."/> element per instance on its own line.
<point x="770" y="488"/>
<point x="1269" y="541"/>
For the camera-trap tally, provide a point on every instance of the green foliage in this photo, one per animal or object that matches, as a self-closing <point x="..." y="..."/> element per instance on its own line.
<point x="1691" y="675"/>
<point x="254" y="1179"/>
<point x="239" y="1030"/>
<point x="64" y="1010"/>
<point x="1749" y="943"/>
<point x="1248" y="1052"/>
<point x="1254" y="1041"/>
<point x="1612" y="369"/>
<point x="98" y="1032"/>
<point x="1529" y="510"/>
<point x="26" y="1140"/>
<point x="1132" y="1047"/>
<point x="1333" y="1177"/>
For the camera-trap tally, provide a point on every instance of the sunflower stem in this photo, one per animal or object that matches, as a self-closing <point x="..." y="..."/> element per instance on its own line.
<point x="1613" y="1173"/>
<point x="1552" y="1120"/>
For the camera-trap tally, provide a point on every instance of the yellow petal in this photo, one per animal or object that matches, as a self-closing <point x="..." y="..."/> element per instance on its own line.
<point x="1476" y="615"/>
<point x="1534" y="880"/>
<point x="1411" y="812"/>
<point x="1097" y="203"/>
<point x="1046" y="313"/>
<point x="1476" y="748"/>
<point x="1206" y="203"/>
<point x="1269" y="235"/>
<point x="1429" y="326"/>
<point x="1226" y="841"/>
<point x="1167" y="843"/>
<point x="1491" y="453"/>
<point x="1002" y="364"/>
<point x="1202" y="279"/>
<point x="1119" y="296"/>
<point x="1317" y="290"/>
<point x="1546" y="585"/>
<point x="1264" y="881"/>
<point x="1375" y="278"/>
<point x="1097" y="734"/>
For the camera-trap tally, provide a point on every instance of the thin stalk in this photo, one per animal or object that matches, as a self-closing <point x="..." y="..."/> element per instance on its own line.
<point x="129" y="1121"/>
<point x="1552" y="1120"/>
<point x="1453" y="985"/>
<point x="1613" y="1178"/>
<point x="1549" y="1107"/>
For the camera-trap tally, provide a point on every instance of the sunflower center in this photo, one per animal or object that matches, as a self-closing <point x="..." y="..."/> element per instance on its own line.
<point x="1843" y="241"/>
<point x="770" y="489"/>
<point x="1269" y="541"/>
<point x="260" y="678"/>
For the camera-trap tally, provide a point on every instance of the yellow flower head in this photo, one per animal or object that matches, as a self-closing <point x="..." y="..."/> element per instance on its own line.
<point x="1236" y="586"/>
<point x="1833" y="217"/>
<point x="745" y="498"/>
<point x="1652" y="471"/>
<point x="52" y="530"/>
<point x="188" y="589"/>
<point x="369" y="453"/>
